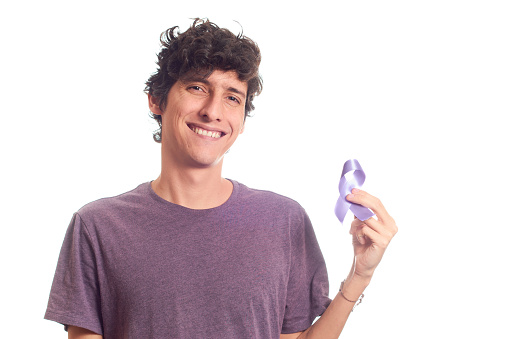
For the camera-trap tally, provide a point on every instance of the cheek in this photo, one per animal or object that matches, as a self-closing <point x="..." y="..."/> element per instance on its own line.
<point x="241" y="122"/>
<point x="173" y="115"/>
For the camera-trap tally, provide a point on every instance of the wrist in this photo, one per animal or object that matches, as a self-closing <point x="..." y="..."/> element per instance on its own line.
<point x="363" y="278"/>
<point x="361" y="274"/>
<point x="354" y="286"/>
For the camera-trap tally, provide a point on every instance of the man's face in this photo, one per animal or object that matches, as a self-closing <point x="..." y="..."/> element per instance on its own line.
<point x="202" y="118"/>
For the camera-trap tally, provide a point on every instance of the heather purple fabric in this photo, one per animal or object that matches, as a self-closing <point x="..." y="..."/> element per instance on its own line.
<point x="138" y="266"/>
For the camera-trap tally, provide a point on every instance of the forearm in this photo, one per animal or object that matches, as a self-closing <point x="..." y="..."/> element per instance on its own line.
<point x="333" y="320"/>
<point x="75" y="332"/>
<point x="370" y="239"/>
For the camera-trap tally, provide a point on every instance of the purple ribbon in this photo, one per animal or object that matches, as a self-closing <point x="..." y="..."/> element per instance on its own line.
<point x="352" y="177"/>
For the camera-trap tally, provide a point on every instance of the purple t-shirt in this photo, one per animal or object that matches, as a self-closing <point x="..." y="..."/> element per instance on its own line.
<point x="138" y="266"/>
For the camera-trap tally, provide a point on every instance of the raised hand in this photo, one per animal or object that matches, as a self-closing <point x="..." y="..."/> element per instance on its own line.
<point x="371" y="237"/>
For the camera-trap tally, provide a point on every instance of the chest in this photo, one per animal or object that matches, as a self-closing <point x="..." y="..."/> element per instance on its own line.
<point x="184" y="267"/>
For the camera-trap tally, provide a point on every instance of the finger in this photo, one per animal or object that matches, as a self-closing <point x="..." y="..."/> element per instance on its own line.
<point x="372" y="223"/>
<point x="365" y="199"/>
<point x="376" y="226"/>
<point x="376" y="238"/>
<point x="360" y="238"/>
<point x="356" y="223"/>
<point x="385" y="226"/>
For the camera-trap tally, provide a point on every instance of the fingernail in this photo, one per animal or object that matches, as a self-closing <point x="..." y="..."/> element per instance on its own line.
<point x="355" y="190"/>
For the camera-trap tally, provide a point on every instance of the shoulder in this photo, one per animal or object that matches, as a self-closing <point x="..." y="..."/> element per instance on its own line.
<point x="118" y="204"/>
<point x="264" y="200"/>
<point x="259" y="194"/>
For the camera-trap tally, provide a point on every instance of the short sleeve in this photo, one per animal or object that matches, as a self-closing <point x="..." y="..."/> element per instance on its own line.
<point x="308" y="285"/>
<point x="74" y="297"/>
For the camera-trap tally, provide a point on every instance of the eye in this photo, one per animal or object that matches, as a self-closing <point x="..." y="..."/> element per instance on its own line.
<point x="233" y="99"/>
<point x="195" y="88"/>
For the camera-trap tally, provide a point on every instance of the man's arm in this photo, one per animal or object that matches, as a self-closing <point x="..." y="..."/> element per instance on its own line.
<point x="333" y="320"/>
<point x="370" y="239"/>
<point x="81" y="333"/>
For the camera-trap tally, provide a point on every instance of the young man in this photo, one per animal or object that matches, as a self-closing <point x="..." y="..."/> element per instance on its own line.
<point x="194" y="255"/>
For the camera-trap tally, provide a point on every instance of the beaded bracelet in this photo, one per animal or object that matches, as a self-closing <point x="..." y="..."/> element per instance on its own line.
<point x="352" y="301"/>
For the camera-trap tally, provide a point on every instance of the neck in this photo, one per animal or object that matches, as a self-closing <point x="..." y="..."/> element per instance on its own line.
<point x="195" y="188"/>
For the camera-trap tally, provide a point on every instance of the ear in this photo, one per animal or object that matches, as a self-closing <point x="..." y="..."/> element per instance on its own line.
<point x="153" y="105"/>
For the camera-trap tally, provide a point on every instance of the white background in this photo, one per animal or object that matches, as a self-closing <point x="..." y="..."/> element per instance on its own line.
<point x="417" y="91"/>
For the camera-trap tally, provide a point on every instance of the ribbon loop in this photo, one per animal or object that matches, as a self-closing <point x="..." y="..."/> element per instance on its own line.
<point x="352" y="177"/>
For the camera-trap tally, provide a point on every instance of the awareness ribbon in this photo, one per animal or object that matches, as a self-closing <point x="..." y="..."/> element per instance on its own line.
<point x="352" y="177"/>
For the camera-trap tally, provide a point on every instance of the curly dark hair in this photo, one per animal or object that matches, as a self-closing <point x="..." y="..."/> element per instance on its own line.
<point x="203" y="48"/>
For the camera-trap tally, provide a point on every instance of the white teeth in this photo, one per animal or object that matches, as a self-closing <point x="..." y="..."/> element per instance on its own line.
<point x="200" y="131"/>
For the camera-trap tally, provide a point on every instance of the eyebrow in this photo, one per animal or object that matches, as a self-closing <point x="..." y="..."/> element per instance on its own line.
<point x="206" y="82"/>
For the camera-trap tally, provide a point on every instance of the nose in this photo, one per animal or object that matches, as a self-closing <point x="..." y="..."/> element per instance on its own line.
<point x="212" y="108"/>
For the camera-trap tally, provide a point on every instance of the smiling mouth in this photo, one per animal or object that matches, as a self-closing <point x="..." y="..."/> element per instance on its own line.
<point x="207" y="133"/>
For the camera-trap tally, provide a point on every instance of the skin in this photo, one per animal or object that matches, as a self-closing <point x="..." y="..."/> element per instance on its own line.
<point x="74" y="332"/>
<point x="191" y="176"/>
<point x="192" y="163"/>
